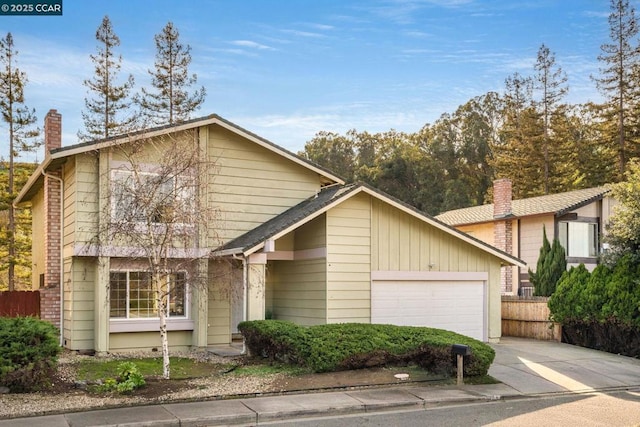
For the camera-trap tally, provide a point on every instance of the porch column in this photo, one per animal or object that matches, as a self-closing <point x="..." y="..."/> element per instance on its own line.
<point x="101" y="307"/>
<point x="200" y="304"/>
<point x="256" y="264"/>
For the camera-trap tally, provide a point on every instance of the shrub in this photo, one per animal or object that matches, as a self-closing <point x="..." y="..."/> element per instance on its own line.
<point x="129" y="379"/>
<point x="345" y="346"/>
<point x="28" y="353"/>
<point x="606" y="295"/>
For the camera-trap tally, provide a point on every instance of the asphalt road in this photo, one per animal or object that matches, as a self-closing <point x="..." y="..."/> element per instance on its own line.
<point x="613" y="409"/>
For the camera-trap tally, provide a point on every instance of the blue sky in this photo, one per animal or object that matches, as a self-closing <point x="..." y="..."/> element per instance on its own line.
<point x="287" y="69"/>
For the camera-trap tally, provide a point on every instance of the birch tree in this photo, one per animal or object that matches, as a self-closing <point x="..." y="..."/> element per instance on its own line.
<point x="22" y="136"/>
<point x="157" y="216"/>
<point x="170" y="100"/>
<point x="108" y="112"/>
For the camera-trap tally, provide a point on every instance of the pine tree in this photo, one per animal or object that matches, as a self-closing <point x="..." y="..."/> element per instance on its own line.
<point x="617" y="81"/>
<point x="22" y="134"/>
<point x="551" y="82"/>
<point x="171" y="102"/>
<point x="108" y="113"/>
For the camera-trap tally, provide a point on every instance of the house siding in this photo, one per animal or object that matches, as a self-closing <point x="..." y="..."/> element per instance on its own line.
<point x="79" y="306"/>
<point x="132" y="341"/>
<point x="37" y="233"/>
<point x="219" y="303"/>
<point x="299" y="294"/>
<point x="250" y="184"/>
<point x="83" y="201"/>
<point x="401" y="242"/>
<point x="349" y="261"/>
<point x="531" y="237"/>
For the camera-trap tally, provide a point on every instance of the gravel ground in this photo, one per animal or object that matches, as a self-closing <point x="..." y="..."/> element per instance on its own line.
<point x="64" y="397"/>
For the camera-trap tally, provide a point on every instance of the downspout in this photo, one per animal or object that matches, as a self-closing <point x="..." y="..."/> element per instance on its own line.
<point x="244" y="296"/>
<point x="61" y="253"/>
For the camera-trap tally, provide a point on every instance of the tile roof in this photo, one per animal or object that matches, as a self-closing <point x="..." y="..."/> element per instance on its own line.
<point x="558" y="204"/>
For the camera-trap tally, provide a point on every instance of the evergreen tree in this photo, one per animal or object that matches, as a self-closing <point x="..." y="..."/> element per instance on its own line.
<point x="22" y="134"/>
<point x="108" y="113"/>
<point x="551" y="264"/>
<point x="171" y="102"/>
<point x="617" y="81"/>
<point x="551" y="82"/>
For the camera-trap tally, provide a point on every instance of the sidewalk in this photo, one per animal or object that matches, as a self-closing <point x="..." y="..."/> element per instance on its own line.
<point x="525" y="367"/>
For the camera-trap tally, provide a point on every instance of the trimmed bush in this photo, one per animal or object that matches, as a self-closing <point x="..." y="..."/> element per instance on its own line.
<point x="28" y="353"/>
<point x="600" y="309"/>
<point x="344" y="346"/>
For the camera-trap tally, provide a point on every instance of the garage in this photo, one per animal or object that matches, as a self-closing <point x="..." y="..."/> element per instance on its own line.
<point x="452" y="303"/>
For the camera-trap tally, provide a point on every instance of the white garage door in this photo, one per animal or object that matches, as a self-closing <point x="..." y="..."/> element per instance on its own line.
<point x="453" y="305"/>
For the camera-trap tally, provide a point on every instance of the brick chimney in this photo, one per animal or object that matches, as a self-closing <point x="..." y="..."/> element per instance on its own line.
<point x="51" y="282"/>
<point x="503" y="227"/>
<point x="502" y="193"/>
<point x="52" y="130"/>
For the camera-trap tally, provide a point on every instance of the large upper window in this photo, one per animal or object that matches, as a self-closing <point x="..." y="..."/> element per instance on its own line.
<point x="151" y="198"/>
<point x="579" y="239"/>
<point x="132" y="295"/>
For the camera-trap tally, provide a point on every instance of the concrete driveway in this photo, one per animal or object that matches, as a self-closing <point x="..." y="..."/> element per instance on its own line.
<point x="538" y="367"/>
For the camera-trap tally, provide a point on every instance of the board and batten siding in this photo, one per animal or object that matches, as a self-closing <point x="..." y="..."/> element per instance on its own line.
<point x="349" y="261"/>
<point x="401" y="242"/>
<point x="299" y="292"/>
<point x="250" y="184"/>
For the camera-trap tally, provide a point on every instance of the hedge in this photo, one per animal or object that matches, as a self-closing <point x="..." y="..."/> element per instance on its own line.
<point x="345" y="346"/>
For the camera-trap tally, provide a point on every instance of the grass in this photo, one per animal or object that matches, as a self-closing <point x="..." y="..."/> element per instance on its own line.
<point x="261" y="370"/>
<point x="181" y="368"/>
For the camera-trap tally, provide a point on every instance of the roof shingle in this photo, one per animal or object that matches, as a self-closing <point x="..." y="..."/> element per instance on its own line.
<point x="557" y="204"/>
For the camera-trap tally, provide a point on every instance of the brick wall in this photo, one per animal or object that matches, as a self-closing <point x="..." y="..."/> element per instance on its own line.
<point x="50" y="305"/>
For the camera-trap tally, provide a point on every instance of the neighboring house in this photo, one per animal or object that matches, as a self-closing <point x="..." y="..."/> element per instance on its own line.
<point x="299" y="245"/>
<point x="576" y="218"/>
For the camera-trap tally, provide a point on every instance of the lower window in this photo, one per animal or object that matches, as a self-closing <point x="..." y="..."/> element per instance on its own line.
<point x="132" y="295"/>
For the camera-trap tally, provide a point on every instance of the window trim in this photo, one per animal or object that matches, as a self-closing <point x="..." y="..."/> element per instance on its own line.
<point x="595" y="244"/>
<point x="141" y="224"/>
<point x="187" y="299"/>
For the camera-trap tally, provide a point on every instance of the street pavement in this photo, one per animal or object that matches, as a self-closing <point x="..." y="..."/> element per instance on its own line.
<point x="526" y="368"/>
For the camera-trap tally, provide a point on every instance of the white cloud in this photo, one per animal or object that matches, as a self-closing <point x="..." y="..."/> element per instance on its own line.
<point x="251" y="44"/>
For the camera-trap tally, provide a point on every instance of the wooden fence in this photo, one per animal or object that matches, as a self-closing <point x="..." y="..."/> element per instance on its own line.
<point x="19" y="303"/>
<point x="528" y="318"/>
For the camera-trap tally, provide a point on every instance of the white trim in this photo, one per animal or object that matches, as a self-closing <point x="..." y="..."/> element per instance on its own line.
<point x="149" y="325"/>
<point x="259" y="258"/>
<point x="93" y="250"/>
<point x="441" y="276"/>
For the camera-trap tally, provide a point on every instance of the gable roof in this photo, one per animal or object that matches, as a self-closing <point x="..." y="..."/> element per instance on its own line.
<point x="327" y="198"/>
<point x="58" y="156"/>
<point x="557" y="204"/>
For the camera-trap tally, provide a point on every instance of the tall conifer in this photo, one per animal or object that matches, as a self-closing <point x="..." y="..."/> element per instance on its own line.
<point x="170" y="101"/>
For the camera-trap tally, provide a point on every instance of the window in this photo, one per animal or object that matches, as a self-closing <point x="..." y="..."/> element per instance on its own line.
<point x="150" y="197"/>
<point x="579" y="239"/>
<point x="132" y="295"/>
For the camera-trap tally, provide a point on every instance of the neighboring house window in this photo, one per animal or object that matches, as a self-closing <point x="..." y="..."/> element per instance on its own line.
<point x="132" y="295"/>
<point x="579" y="239"/>
<point x="147" y="196"/>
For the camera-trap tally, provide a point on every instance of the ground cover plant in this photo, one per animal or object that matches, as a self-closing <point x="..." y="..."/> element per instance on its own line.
<point x="28" y="353"/>
<point x="336" y="347"/>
